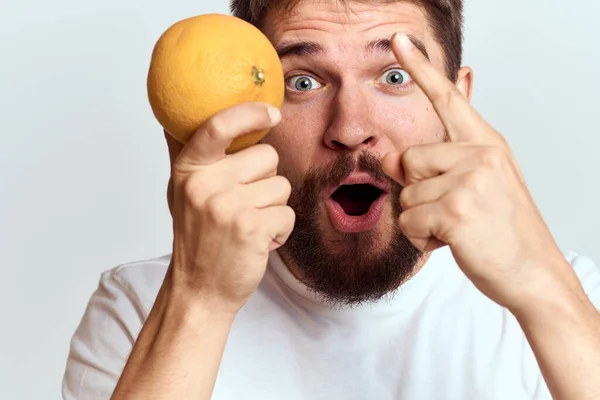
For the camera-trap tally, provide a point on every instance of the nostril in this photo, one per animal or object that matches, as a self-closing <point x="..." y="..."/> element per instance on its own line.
<point x="339" y="145"/>
<point x="351" y="145"/>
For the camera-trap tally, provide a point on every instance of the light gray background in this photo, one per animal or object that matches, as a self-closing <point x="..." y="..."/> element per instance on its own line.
<point x="83" y="166"/>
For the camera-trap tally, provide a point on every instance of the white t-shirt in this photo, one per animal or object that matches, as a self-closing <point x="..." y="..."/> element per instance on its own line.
<point x="437" y="338"/>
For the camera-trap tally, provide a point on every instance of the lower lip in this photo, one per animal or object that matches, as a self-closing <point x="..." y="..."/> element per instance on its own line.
<point x="359" y="223"/>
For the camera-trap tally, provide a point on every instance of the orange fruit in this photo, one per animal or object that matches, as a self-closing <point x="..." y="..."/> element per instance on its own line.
<point x="204" y="64"/>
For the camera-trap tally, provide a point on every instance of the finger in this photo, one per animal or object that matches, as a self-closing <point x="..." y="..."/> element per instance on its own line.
<point x="426" y="161"/>
<point x="454" y="110"/>
<point x="266" y="192"/>
<point x="278" y="224"/>
<point x="250" y="165"/>
<point x="420" y="162"/>
<point x="419" y="225"/>
<point x="428" y="191"/>
<point x="209" y="143"/>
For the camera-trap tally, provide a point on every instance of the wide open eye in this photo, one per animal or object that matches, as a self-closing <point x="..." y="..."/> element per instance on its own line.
<point x="302" y="83"/>
<point x="395" y="77"/>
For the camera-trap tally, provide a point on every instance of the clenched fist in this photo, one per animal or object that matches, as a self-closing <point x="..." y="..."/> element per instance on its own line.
<point x="469" y="194"/>
<point x="229" y="212"/>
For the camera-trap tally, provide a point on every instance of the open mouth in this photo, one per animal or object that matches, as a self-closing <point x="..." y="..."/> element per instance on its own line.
<point x="356" y="200"/>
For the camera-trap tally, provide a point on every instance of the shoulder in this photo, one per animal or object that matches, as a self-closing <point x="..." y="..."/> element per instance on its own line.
<point x="147" y="270"/>
<point x="113" y="318"/>
<point x="139" y="280"/>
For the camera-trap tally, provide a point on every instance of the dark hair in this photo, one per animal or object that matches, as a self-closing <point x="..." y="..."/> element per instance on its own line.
<point x="445" y="18"/>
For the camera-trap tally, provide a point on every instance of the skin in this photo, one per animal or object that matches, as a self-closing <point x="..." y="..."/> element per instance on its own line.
<point x="470" y="195"/>
<point x="351" y="111"/>
<point x="467" y="193"/>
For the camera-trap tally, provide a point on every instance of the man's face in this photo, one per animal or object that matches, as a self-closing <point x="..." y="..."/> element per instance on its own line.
<point x="347" y="104"/>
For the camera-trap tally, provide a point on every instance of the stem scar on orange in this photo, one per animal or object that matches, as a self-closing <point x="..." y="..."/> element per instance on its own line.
<point x="204" y="64"/>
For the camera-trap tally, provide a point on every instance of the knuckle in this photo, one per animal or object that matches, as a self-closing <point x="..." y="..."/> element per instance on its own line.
<point x="192" y="189"/>
<point x="215" y="127"/>
<point x="410" y="160"/>
<point x="245" y="225"/>
<point x="491" y="157"/>
<point x="404" y="221"/>
<point x="284" y="184"/>
<point x="408" y="157"/>
<point x="219" y="209"/>
<point x="269" y="155"/>
<point x="457" y="205"/>
<point x="405" y="197"/>
<point x="291" y="214"/>
<point x="288" y="219"/>
<point x="213" y="206"/>
<point x="476" y="181"/>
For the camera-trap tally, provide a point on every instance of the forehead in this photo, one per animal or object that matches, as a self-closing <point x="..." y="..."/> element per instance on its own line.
<point x="345" y="29"/>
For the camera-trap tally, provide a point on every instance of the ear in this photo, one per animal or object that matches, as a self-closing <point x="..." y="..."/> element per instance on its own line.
<point x="464" y="83"/>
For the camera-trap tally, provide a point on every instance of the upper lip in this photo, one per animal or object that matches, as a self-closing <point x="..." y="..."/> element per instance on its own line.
<point x="360" y="178"/>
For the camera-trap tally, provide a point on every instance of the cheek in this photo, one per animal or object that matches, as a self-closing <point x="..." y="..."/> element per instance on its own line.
<point x="297" y="138"/>
<point x="408" y="121"/>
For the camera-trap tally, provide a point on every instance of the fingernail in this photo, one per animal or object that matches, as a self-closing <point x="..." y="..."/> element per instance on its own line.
<point x="274" y="114"/>
<point x="404" y="41"/>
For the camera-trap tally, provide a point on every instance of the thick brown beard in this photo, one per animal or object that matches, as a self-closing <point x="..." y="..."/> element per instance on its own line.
<point x="353" y="273"/>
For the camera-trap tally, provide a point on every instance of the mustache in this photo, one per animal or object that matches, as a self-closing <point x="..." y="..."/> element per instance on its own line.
<point x="342" y="167"/>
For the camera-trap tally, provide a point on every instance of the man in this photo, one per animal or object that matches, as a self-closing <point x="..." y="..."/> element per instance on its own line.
<point x="379" y="244"/>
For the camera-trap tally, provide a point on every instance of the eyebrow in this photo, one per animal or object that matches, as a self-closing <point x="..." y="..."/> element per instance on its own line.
<point x="385" y="45"/>
<point x="307" y="48"/>
<point x="299" y="49"/>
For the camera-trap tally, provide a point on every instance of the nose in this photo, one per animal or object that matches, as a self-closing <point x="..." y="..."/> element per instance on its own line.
<point x="350" y="127"/>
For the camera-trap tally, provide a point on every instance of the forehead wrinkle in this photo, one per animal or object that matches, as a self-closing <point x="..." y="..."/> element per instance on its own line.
<point x="299" y="39"/>
<point x="312" y="49"/>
